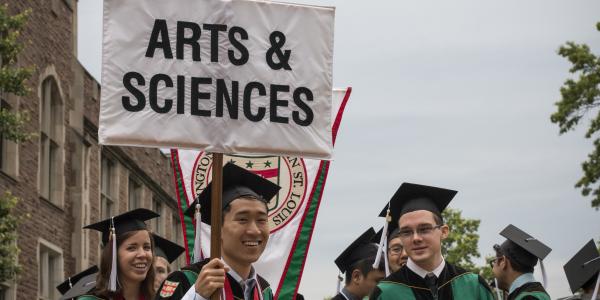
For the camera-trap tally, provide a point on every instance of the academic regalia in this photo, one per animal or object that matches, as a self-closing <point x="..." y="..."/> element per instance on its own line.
<point x="362" y="248"/>
<point x="524" y="249"/>
<point x="179" y="282"/>
<point x="110" y="228"/>
<point x="453" y="282"/>
<point x="529" y="291"/>
<point x="237" y="182"/>
<point x="583" y="270"/>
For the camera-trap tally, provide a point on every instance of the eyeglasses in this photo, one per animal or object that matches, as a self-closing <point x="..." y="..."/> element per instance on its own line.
<point x="396" y="249"/>
<point x="421" y="231"/>
<point x="494" y="260"/>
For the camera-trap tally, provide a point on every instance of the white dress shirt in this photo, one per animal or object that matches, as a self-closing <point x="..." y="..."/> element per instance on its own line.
<point x="422" y="272"/>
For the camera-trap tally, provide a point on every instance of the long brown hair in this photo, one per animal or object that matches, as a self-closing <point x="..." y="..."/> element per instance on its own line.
<point x="146" y="287"/>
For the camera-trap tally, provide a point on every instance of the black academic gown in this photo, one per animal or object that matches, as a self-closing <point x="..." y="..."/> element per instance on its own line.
<point x="338" y="297"/>
<point x="454" y="283"/>
<point x="529" y="291"/>
<point x="179" y="282"/>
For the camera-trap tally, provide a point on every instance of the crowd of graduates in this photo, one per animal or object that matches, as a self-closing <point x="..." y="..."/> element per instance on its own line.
<point x="402" y="261"/>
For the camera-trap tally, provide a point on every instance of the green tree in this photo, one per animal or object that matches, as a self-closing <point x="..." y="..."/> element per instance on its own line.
<point x="12" y="127"/>
<point x="581" y="97"/>
<point x="460" y="247"/>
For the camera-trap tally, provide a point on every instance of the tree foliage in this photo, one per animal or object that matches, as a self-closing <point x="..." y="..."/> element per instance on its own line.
<point x="12" y="127"/>
<point x="460" y="247"/>
<point x="580" y="97"/>
<point x="9" y="252"/>
<point x="12" y="78"/>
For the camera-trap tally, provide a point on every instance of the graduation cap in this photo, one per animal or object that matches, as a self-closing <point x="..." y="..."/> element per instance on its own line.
<point x="523" y="248"/>
<point x="132" y="220"/>
<point x="362" y="248"/>
<point x="237" y="182"/>
<point x="583" y="266"/>
<point x="82" y="287"/>
<point x="66" y="285"/>
<point x="166" y="249"/>
<point x="412" y="197"/>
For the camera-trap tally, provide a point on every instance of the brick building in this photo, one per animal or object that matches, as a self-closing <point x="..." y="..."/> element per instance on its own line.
<point x="62" y="176"/>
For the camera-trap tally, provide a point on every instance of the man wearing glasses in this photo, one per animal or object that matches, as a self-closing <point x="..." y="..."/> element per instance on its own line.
<point x="417" y="211"/>
<point x="397" y="257"/>
<point x="514" y="263"/>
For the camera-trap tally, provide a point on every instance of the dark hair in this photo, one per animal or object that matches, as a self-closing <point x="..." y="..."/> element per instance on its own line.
<point x="227" y="207"/>
<point x="364" y="266"/>
<point x="103" y="277"/>
<point x="514" y="262"/>
<point x="438" y="219"/>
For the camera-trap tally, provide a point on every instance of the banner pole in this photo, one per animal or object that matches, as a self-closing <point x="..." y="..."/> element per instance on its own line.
<point x="215" y="219"/>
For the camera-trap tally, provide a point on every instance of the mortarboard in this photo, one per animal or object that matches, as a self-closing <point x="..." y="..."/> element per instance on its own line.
<point x="362" y="248"/>
<point x="524" y="248"/>
<point x="237" y="182"/>
<point x="132" y="220"/>
<point x="583" y="266"/>
<point x="82" y="287"/>
<point x="66" y="285"/>
<point x="129" y="221"/>
<point x="166" y="249"/>
<point x="412" y="197"/>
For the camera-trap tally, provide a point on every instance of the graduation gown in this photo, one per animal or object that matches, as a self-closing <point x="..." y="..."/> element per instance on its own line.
<point x="454" y="283"/>
<point x="529" y="291"/>
<point x="179" y="282"/>
<point x="338" y="297"/>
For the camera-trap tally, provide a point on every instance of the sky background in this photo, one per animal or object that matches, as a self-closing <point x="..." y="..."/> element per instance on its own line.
<point x="455" y="94"/>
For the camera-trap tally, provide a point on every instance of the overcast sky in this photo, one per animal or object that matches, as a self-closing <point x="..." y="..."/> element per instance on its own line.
<point x="455" y="94"/>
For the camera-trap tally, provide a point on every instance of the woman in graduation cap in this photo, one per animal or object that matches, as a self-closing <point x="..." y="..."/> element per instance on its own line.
<point x="417" y="209"/>
<point x="128" y="275"/>
<point x="244" y="235"/>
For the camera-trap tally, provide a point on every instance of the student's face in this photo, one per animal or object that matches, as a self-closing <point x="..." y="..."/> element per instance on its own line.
<point x="423" y="249"/>
<point x="499" y="269"/>
<point x="135" y="257"/>
<point x="397" y="257"/>
<point x="161" y="271"/>
<point x="245" y="231"/>
<point x="368" y="283"/>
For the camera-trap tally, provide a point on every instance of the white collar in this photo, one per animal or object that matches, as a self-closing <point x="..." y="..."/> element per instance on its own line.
<point x="422" y="272"/>
<point x="237" y="276"/>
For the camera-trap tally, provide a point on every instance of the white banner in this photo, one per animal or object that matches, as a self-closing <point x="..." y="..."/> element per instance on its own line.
<point x="227" y="76"/>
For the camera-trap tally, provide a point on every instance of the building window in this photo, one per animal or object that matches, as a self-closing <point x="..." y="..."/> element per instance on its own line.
<point x="157" y="223"/>
<point x="51" y="126"/>
<point x="135" y="194"/>
<point x="50" y="270"/>
<point x="108" y="190"/>
<point x="8" y="150"/>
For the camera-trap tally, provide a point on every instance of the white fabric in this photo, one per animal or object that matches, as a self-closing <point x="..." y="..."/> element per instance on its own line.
<point x="422" y="272"/>
<point x="544" y="276"/>
<point x="197" y="237"/>
<point x="308" y="33"/>
<point x="595" y="294"/>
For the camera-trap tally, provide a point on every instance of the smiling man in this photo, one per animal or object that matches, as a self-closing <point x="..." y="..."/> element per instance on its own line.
<point x="417" y="209"/>
<point x="244" y="236"/>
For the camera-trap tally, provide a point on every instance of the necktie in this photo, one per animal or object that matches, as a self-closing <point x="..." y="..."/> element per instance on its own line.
<point x="431" y="281"/>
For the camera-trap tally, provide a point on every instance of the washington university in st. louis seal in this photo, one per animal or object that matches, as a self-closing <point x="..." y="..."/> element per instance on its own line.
<point x="287" y="172"/>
